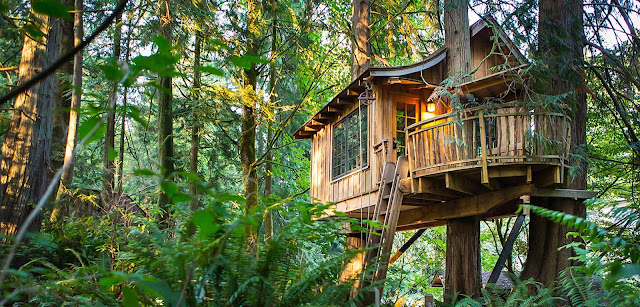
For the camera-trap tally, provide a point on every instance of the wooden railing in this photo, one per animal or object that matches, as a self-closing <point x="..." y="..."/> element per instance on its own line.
<point x="485" y="136"/>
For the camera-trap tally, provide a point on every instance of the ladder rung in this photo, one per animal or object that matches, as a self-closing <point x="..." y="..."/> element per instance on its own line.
<point x="386" y="196"/>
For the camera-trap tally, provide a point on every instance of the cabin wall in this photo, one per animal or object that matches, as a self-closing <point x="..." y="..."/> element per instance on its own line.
<point x="323" y="187"/>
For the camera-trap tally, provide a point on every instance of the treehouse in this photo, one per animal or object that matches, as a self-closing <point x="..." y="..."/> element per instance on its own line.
<point x="394" y="146"/>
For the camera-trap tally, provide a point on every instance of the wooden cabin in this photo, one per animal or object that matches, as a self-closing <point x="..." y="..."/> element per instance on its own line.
<point x="475" y="149"/>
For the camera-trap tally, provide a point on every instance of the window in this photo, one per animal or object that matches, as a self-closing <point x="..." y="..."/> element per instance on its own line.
<point x="348" y="152"/>
<point x="405" y="116"/>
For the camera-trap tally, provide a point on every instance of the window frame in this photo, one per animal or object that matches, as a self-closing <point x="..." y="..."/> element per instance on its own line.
<point x="344" y="155"/>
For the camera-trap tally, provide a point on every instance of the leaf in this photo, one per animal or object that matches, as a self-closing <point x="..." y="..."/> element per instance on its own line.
<point x="33" y="30"/>
<point x="246" y="61"/>
<point x="111" y="71"/>
<point x="180" y="197"/>
<point x="212" y="70"/>
<point x="130" y="297"/>
<point x="113" y="154"/>
<point x="52" y="8"/>
<point x="159" y="288"/>
<point x="155" y="63"/>
<point x="88" y="125"/>
<point x="169" y="188"/>
<point x="164" y="45"/>
<point x="205" y="222"/>
<point x="134" y="112"/>
<point x="144" y="172"/>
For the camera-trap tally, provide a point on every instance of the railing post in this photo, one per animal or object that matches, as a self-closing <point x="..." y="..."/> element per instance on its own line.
<point x="483" y="148"/>
<point x="411" y="152"/>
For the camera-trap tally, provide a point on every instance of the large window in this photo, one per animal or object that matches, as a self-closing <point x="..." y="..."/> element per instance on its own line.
<point x="350" y="142"/>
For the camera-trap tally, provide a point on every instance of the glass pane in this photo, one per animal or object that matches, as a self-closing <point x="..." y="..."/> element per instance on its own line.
<point x="411" y="110"/>
<point x="400" y="108"/>
<point x="410" y="121"/>
<point x="399" y="123"/>
<point x="401" y="151"/>
<point x="400" y="138"/>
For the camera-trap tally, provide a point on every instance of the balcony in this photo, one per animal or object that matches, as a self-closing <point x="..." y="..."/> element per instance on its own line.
<point x="488" y="137"/>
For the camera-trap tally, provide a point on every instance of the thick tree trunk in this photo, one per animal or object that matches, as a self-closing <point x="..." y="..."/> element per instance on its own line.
<point x="76" y="103"/>
<point x="165" y="121"/>
<point x="195" y="124"/>
<point x="560" y="42"/>
<point x="108" y="157"/>
<point x="25" y="163"/>
<point x="62" y="103"/>
<point x="360" y="46"/>
<point x="463" y="267"/>
<point x="457" y="39"/>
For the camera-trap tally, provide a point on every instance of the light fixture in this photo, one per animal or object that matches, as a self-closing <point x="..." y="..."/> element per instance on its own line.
<point x="431" y="106"/>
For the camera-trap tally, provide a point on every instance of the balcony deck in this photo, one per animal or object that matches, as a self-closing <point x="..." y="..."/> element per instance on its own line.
<point x="481" y="161"/>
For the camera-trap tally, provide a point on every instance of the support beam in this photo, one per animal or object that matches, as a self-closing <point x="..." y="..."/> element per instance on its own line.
<point x="506" y="250"/>
<point x="469" y="206"/>
<point x="463" y="184"/>
<point x="435" y="187"/>
<point x="406" y="245"/>
<point x="549" y="177"/>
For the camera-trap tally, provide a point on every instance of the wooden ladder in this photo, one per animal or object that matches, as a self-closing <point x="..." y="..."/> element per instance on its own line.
<point x="386" y="211"/>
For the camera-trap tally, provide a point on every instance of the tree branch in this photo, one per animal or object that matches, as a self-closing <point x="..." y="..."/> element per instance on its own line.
<point x="66" y="57"/>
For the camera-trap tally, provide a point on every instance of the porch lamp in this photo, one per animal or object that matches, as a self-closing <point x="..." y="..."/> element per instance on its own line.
<point x="431" y="107"/>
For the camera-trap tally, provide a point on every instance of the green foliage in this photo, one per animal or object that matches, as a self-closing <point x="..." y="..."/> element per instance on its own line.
<point x="601" y="252"/>
<point x="210" y="260"/>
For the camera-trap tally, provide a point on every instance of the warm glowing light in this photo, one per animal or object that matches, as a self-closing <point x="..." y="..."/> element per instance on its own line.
<point x="427" y="115"/>
<point x="431" y="107"/>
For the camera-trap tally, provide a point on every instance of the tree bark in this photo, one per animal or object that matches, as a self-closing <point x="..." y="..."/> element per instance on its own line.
<point x="76" y="103"/>
<point x="463" y="266"/>
<point x="268" y="166"/>
<point x="108" y="159"/>
<point x="62" y="103"/>
<point x="248" y="121"/>
<point x="353" y="269"/>
<point x="195" y="124"/>
<point x="165" y="121"/>
<point x="560" y="43"/>
<point x="360" y="46"/>
<point x="457" y="39"/>
<point x="25" y="162"/>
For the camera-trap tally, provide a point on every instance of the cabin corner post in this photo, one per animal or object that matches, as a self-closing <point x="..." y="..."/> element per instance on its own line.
<point x="463" y="234"/>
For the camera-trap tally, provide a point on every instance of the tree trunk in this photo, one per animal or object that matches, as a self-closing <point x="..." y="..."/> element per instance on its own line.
<point x="268" y="166"/>
<point x="463" y="267"/>
<point x="76" y="103"/>
<point x="165" y="121"/>
<point x="457" y="39"/>
<point x="62" y="103"/>
<point x="353" y="269"/>
<point x="108" y="151"/>
<point x="25" y="162"/>
<point x="195" y="124"/>
<point x="120" y="170"/>
<point x="560" y="42"/>
<point x="248" y="121"/>
<point x="360" y="46"/>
